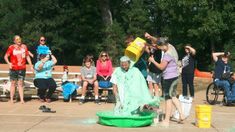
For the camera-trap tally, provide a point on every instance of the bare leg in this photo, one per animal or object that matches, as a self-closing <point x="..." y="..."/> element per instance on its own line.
<point x="177" y="104"/>
<point x="84" y="88"/>
<point x="12" y="90"/>
<point x="156" y="89"/>
<point x="151" y="88"/>
<point x="168" y="107"/>
<point x="21" y="90"/>
<point x="96" y="88"/>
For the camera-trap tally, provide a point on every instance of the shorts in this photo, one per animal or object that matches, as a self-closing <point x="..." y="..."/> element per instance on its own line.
<point x="89" y="86"/>
<point x="16" y="75"/>
<point x="170" y="86"/>
<point x="154" y="77"/>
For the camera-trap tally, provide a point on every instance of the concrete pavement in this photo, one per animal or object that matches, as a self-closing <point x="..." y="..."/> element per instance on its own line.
<point x="71" y="117"/>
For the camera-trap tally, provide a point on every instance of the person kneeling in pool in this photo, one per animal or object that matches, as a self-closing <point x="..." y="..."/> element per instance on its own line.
<point x="130" y="89"/>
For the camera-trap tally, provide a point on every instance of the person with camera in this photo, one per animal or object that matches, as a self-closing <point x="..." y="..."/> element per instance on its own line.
<point x="223" y="73"/>
<point x="43" y="77"/>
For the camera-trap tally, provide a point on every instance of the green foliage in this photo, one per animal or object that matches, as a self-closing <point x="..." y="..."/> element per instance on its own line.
<point x="113" y="42"/>
<point x="75" y="28"/>
<point x="135" y="18"/>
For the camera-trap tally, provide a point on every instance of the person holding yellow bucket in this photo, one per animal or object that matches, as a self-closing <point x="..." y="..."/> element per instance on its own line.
<point x="154" y="73"/>
<point x="170" y="79"/>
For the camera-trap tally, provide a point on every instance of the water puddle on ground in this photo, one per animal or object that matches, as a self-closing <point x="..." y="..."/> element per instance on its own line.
<point x="86" y="121"/>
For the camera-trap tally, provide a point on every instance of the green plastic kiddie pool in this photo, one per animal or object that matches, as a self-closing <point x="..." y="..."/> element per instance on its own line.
<point x="109" y="119"/>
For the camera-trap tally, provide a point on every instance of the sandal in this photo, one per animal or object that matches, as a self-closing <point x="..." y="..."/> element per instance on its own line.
<point x="42" y="107"/>
<point x="181" y="121"/>
<point x="48" y="110"/>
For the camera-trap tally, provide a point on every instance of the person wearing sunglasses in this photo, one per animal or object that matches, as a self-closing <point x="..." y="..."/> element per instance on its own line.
<point x="18" y="53"/>
<point x="104" y="67"/>
<point x="41" y="48"/>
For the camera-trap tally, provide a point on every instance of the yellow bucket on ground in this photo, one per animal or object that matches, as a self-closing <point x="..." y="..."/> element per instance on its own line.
<point x="135" y="49"/>
<point x="203" y="116"/>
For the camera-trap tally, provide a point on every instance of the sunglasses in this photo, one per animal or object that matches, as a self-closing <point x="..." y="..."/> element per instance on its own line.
<point x="103" y="55"/>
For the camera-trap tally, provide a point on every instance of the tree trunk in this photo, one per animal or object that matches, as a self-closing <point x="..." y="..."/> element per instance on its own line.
<point x="105" y="12"/>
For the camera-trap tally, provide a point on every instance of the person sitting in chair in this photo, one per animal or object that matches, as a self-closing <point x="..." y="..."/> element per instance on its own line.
<point x="104" y="67"/>
<point x="88" y="74"/>
<point x="223" y="67"/>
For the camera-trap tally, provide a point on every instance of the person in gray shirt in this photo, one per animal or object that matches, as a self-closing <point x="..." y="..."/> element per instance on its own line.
<point x="88" y="74"/>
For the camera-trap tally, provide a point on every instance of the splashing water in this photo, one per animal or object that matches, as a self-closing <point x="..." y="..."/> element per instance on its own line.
<point x="89" y="121"/>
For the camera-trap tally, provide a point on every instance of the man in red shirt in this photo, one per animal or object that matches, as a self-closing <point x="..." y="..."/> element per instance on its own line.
<point x="18" y="53"/>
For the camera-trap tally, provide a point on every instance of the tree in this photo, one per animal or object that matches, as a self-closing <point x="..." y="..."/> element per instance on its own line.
<point x="11" y="16"/>
<point x="76" y="28"/>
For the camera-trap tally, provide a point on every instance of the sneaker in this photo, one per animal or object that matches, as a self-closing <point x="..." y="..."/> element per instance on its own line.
<point x="81" y="101"/>
<point x="97" y="101"/>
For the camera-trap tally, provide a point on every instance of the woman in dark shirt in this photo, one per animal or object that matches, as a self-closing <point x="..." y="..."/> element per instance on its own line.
<point x="188" y="64"/>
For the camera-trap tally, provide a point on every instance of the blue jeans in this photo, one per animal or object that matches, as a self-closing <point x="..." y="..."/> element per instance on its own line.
<point x="229" y="90"/>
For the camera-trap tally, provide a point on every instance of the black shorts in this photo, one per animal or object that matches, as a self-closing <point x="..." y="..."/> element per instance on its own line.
<point x="169" y="87"/>
<point x="45" y="83"/>
<point x="16" y="75"/>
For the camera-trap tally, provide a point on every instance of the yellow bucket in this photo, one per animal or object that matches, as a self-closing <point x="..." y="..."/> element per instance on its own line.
<point x="135" y="49"/>
<point x="203" y="124"/>
<point x="203" y="116"/>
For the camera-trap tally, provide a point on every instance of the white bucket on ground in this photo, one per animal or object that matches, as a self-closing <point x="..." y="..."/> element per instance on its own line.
<point x="186" y="104"/>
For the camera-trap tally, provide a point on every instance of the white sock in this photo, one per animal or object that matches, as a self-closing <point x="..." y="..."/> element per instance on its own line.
<point x="83" y="97"/>
<point x="96" y="96"/>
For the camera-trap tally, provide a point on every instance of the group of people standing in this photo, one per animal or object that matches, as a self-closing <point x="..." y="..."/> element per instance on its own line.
<point x="163" y="65"/>
<point x="41" y="66"/>
<point x="160" y="68"/>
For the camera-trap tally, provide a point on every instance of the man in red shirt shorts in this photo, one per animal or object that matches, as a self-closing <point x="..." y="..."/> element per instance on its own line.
<point x="18" y="53"/>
